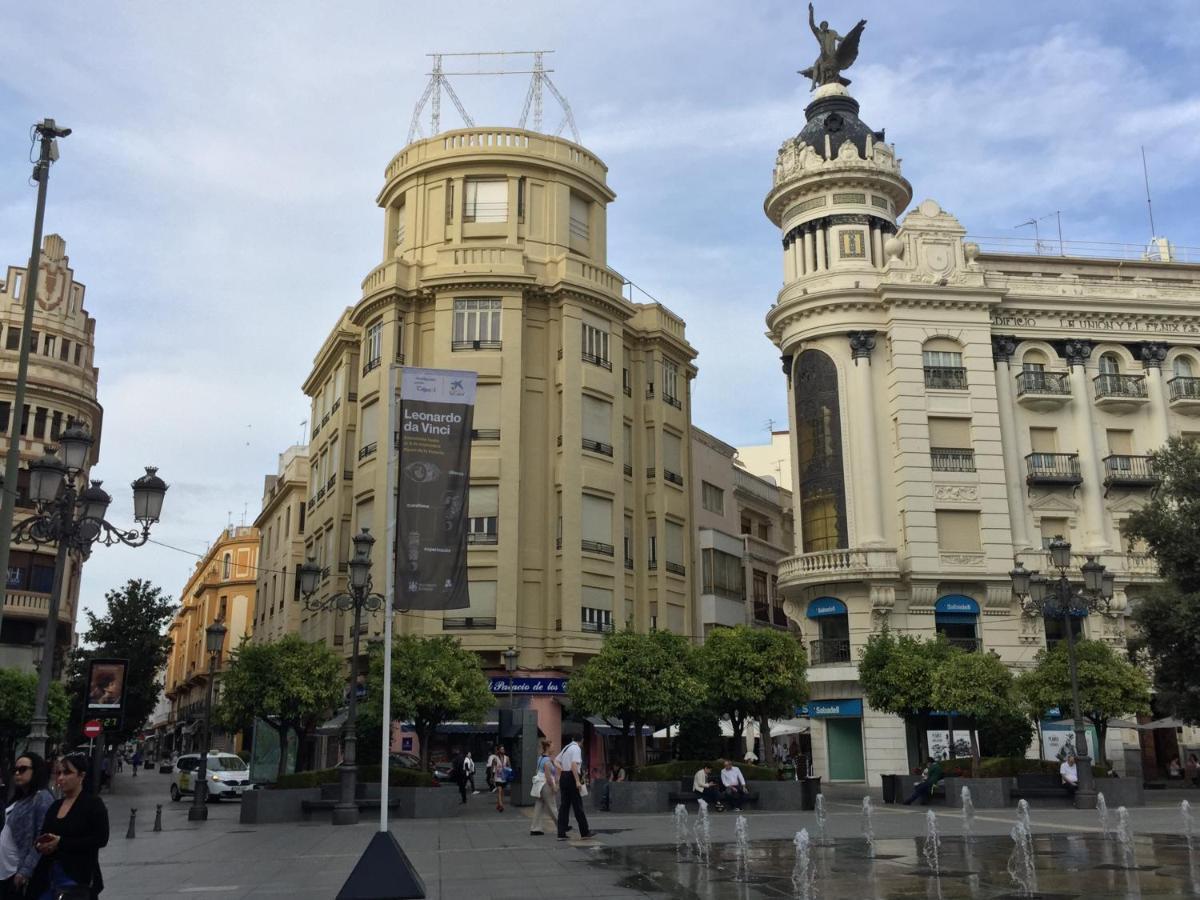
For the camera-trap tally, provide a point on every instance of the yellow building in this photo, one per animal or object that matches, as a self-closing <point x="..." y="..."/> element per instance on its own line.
<point x="281" y="526"/>
<point x="61" y="386"/>
<point x="223" y="586"/>
<point x="495" y="261"/>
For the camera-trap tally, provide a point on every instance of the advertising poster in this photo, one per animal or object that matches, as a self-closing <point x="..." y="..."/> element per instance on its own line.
<point x="106" y="687"/>
<point x="939" y="744"/>
<point x="436" y="407"/>
<point x="1058" y="740"/>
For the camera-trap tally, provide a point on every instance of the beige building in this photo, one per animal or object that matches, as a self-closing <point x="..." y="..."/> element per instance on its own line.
<point x="743" y="530"/>
<point x="280" y="526"/>
<point x="953" y="408"/>
<point x="771" y="460"/>
<point x="61" y="386"/>
<point x="494" y="260"/>
<point x="222" y="587"/>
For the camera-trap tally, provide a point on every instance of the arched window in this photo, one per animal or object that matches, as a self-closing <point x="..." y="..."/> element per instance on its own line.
<point x="1034" y="361"/>
<point x="956" y="617"/>
<point x="1183" y="367"/>
<point x="1110" y="364"/>
<point x="942" y="360"/>
<point x="822" y="481"/>
<point x="228" y="566"/>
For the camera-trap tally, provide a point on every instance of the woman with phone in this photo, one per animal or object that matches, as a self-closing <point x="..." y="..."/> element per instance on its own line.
<point x="73" y="831"/>
<point x="23" y="818"/>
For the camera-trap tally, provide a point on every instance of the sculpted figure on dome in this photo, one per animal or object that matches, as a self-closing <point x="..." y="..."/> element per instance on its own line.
<point x="837" y="52"/>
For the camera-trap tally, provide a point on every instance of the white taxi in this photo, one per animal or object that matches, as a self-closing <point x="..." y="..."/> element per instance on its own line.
<point x="226" y="776"/>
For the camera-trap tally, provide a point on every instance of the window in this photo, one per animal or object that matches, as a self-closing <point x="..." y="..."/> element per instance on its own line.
<point x="595" y="345"/>
<point x="596" y="609"/>
<point x="1120" y="442"/>
<point x="485" y="423"/>
<point x="226" y="566"/>
<point x="1110" y="364"/>
<point x="712" y="498"/>
<point x="580" y="217"/>
<point x="5" y="412"/>
<point x="950" y="445"/>
<point x="1034" y="361"/>
<point x="958" y="530"/>
<point x="1056" y="629"/>
<point x="597" y="425"/>
<point x="672" y="458"/>
<point x="364" y="514"/>
<point x="675" y="548"/>
<point x="723" y="574"/>
<point x="339" y="384"/>
<point x="476" y="322"/>
<point x="401" y="225"/>
<point x="821" y="485"/>
<point x="1183" y="367"/>
<point x="1052" y="528"/>
<point x="64" y="352"/>
<point x="367" y="429"/>
<point x="482" y="611"/>
<point x="485" y="200"/>
<point x="39" y="422"/>
<point x="78" y="349"/>
<point x="1044" y="440"/>
<point x="670" y="381"/>
<point x="626" y="383"/>
<point x="758" y="584"/>
<point x="483" y="504"/>
<point x="48" y="345"/>
<point x="597" y="524"/>
<point x="399" y="349"/>
<point x="652" y="546"/>
<point x="56" y="424"/>
<point x="627" y="446"/>
<point x="373" y="346"/>
<point x="628" y="542"/>
<point x="943" y="364"/>
<point x="13" y="338"/>
<point x="764" y="531"/>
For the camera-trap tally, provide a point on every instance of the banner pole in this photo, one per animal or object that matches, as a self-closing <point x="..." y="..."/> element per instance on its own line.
<point x="389" y="593"/>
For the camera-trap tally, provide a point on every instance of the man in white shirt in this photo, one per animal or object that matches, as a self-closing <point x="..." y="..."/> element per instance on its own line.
<point x="469" y="771"/>
<point x="570" y="763"/>
<point x="733" y="785"/>
<point x="1069" y="775"/>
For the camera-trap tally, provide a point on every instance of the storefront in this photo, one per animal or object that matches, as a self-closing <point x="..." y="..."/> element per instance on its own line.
<point x="841" y="721"/>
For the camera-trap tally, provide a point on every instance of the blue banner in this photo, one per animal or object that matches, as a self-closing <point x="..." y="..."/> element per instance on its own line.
<point x="831" y="709"/>
<point x="826" y="606"/>
<point x="530" y="685"/>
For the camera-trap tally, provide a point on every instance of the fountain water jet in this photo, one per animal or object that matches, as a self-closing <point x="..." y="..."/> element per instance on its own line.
<point x="968" y="814"/>
<point x="702" y="834"/>
<point x="868" y="829"/>
<point x="1021" y="862"/>
<point x="933" y="843"/>
<point x="1102" y="811"/>
<point x="681" y="830"/>
<point x="1185" y="813"/>
<point x="1125" y="838"/>
<point x="741" y="834"/>
<point x="1023" y="815"/>
<point x="821" y="822"/>
<point x="803" y="873"/>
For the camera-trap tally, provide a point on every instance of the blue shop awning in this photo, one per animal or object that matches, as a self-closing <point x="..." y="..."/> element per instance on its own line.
<point x="956" y="609"/>
<point x="826" y="606"/>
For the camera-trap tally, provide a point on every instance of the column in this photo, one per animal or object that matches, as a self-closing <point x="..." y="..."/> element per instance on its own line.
<point x="866" y="451"/>
<point x="1092" y="489"/>
<point x="789" y="262"/>
<point x="1153" y="353"/>
<point x="819" y="240"/>
<point x="809" y="265"/>
<point x="1003" y="347"/>
<point x="876" y="245"/>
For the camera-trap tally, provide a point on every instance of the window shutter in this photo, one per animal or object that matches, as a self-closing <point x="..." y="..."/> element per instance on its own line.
<point x="675" y="543"/>
<point x="958" y="530"/>
<point x="950" y="433"/>
<point x="483" y="500"/>
<point x="597" y="598"/>
<point x="483" y="601"/>
<point x="1120" y="442"/>
<point x="365" y="514"/>
<point x="369" y="425"/>
<point x="487" y="407"/>
<point x="597" y="519"/>
<point x="597" y="419"/>
<point x="1043" y="440"/>
<point x="672" y="452"/>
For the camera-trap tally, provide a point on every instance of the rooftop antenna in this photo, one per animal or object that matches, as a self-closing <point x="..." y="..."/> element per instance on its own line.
<point x="770" y="426"/>
<point x="1149" y="205"/>
<point x="437" y="81"/>
<point x="304" y="431"/>
<point x="1038" y="246"/>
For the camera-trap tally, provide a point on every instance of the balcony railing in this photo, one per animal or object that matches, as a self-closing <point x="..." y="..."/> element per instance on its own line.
<point x="369" y="365"/>
<point x="652" y="565"/>
<point x="597" y="547"/>
<point x="627" y="389"/>
<point x="762" y="611"/>
<point x="1129" y="471"/>
<point x="596" y="627"/>
<point x="629" y="470"/>
<point x="482" y="537"/>
<point x="629" y="563"/>
<point x="673" y="477"/>
<point x="829" y="652"/>
<point x="650" y="472"/>
<point x="597" y="447"/>
<point x="672" y="401"/>
<point x="1043" y="383"/>
<point x="676" y="568"/>
<point x="1183" y="387"/>
<point x="1053" y="468"/>
<point x="971" y="645"/>
<point x="946" y="378"/>
<point x="951" y="459"/>
<point x="597" y="361"/>
<point x="485" y="434"/>
<point x="368" y="449"/>
<point x="1132" y="386"/>
<point x="474" y="345"/>
<point x="456" y="623"/>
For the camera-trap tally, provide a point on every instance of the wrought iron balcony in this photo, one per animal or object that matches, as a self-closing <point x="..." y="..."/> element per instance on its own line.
<point x="482" y="537"/>
<point x="372" y="364"/>
<point x="456" y="623"/>
<point x="673" y="477"/>
<point x="474" y="345"/>
<point x="629" y="470"/>
<point x="1184" y="393"/>
<point x="946" y="378"/>
<point x="485" y="434"/>
<point x="1122" y="470"/>
<point x="672" y="401"/>
<point x="829" y="652"/>
<point x="951" y="459"/>
<point x="597" y="361"/>
<point x="597" y="447"/>
<point x="1120" y="393"/>
<point x="676" y="568"/>
<point x="368" y="450"/>
<point x="1053" y="468"/>
<point x="597" y="547"/>
<point x="596" y="627"/>
<point x="1046" y="383"/>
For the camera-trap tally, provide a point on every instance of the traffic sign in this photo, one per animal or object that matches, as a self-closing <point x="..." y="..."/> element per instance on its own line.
<point x="92" y="729"/>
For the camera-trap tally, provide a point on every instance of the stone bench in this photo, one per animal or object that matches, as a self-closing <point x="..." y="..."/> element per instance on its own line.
<point x="1039" y="786"/>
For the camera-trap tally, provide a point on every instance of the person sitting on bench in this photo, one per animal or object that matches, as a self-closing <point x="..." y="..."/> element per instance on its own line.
<point x="1069" y="775"/>
<point x="705" y="787"/>
<point x="733" y="784"/>
<point x="929" y="779"/>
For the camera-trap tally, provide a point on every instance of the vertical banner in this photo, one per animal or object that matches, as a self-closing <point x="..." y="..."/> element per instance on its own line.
<point x="106" y="688"/>
<point x="436" y="406"/>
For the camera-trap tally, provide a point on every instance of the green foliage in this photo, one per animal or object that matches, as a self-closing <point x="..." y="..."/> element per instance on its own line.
<point x="753" y="672"/>
<point x="897" y="673"/>
<point x="699" y="736"/>
<point x="687" y="768"/>
<point x="1011" y="766"/>
<point x="1007" y="733"/>
<point x="1170" y="522"/>
<point x="1169" y="622"/>
<point x="434" y="680"/>
<point x="131" y="628"/>
<point x="18" y="692"/>
<point x="288" y="684"/>
<point x="366" y="775"/>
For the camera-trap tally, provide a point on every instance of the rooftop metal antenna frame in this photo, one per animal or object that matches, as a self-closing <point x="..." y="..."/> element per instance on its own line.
<point x="539" y="81"/>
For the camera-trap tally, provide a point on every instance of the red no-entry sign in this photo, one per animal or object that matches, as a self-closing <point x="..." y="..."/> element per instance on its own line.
<point x="92" y="729"/>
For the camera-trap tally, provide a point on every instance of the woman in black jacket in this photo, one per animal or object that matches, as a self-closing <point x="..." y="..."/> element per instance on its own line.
<point x="75" y="829"/>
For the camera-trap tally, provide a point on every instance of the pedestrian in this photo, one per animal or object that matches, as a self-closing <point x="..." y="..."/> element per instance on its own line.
<point x="1192" y="768"/>
<point x="120" y="762"/>
<point x="489" y="770"/>
<point x="137" y="761"/>
<point x="23" y="818"/>
<point x="1174" y="769"/>
<point x="733" y="784"/>
<point x="616" y="772"/>
<point x="469" y="771"/>
<point x="458" y="774"/>
<point x="544" y="789"/>
<point x="929" y="779"/>
<point x="73" y="832"/>
<point x="704" y="786"/>
<point x="570" y="789"/>
<point x="1069" y="775"/>
<point x="501" y="775"/>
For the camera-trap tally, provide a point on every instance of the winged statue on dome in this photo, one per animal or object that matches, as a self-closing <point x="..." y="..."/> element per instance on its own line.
<point x="837" y="52"/>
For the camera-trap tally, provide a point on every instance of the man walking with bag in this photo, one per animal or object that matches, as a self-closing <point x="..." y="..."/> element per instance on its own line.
<point x="570" y="763"/>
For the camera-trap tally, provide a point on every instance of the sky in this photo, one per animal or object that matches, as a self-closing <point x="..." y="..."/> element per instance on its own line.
<point x="217" y="194"/>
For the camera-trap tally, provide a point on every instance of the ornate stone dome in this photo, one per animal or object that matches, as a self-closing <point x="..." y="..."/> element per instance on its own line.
<point x="833" y="120"/>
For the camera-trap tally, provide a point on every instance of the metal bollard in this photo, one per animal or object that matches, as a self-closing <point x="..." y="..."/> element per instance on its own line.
<point x="132" y="816"/>
<point x="158" y="818"/>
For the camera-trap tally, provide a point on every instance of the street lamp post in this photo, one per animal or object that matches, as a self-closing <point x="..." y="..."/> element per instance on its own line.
<point x="1057" y="598"/>
<point x="358" y="598"/>
<point x="214" y="641"/>
<point x="73" y="519"/>
<point x="510" y="665"/>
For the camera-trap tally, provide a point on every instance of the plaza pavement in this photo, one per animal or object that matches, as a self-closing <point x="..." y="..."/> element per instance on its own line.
<point x="482" y="855"/>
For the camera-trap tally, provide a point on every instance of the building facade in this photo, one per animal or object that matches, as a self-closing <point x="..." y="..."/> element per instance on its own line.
<point x="222" y="587"/>
<point x="770" y="460"/>
<point x="62" y="384"/>
<point x="743" y="531"/>
<point x="494" y="261"/>
<point x="952" y="409"/>
<point x="281" y="525"/>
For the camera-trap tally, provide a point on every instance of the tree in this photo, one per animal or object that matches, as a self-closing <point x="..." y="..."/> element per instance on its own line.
<point x="639" y="679"/>
<point x="288" y="684"/>
<point x="132" y="628"/>
<point x="753" y="673"/>
<point x="896" y="674"/>
<point x="1109" y="687"/>
<point x="1169" y="623"/>
<point x="434" y="680"/>
<point x="977" y="686"/>
<point x="18" y="691"/>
